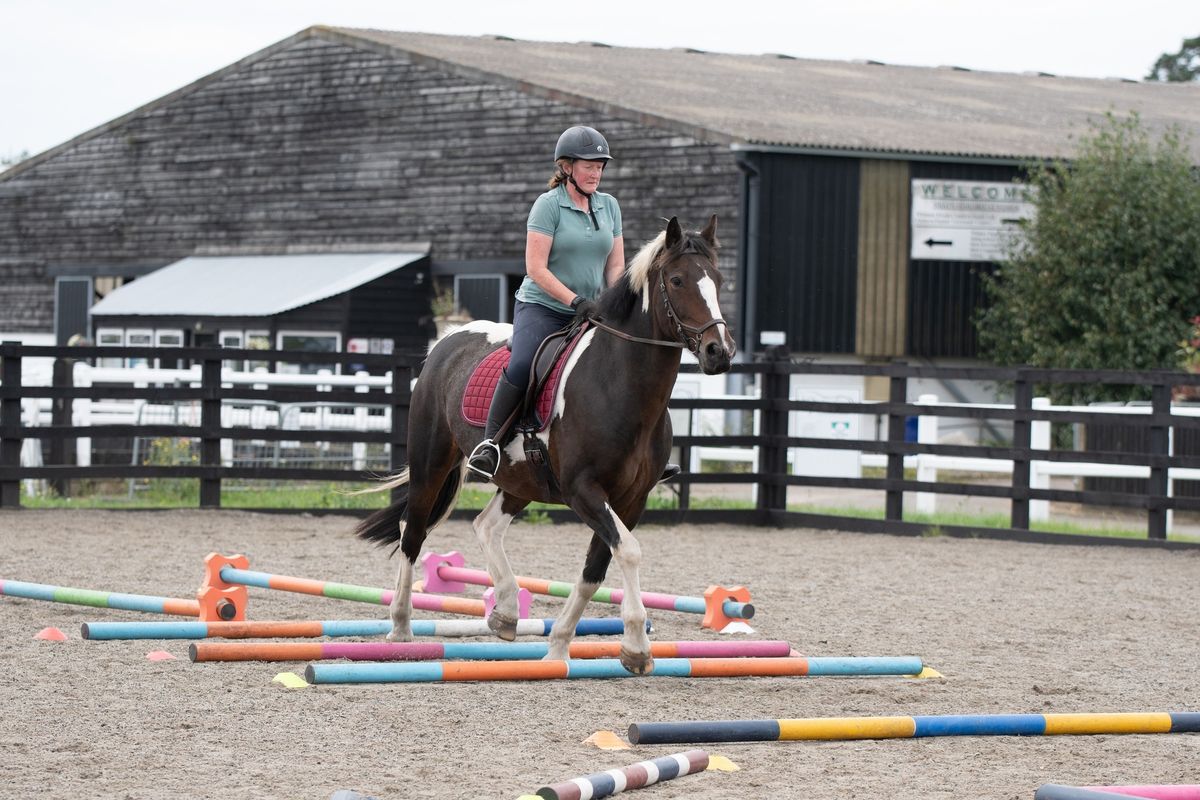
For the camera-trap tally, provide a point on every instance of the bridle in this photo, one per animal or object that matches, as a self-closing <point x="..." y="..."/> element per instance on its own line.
<point x="685" y="332"/>
<point x="687" y="335"/>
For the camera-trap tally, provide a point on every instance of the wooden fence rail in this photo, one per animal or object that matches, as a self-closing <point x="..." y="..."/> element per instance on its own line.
<point x="772" y="405"/>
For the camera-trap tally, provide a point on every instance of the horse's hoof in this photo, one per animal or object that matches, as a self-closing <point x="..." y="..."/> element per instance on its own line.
<point x="504" y="626"/>
<point x="637" y="663"/>
<point x="399" y="636"/>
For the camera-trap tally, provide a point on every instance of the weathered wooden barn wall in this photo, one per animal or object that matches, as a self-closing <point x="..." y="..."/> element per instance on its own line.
<point x="883" y="213"/>
<point x="313" y="142"/>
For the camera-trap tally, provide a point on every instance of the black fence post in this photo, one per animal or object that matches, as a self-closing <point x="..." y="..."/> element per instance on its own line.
<point x="772" y="454"/>
<point x="1022" y="440"/>
<point x="10" y="419"/>
<point x="402" y="374"/>
<point x="894" y="498"/>
<point x="62" y="451"/>
<point x="210" y="430"/>
<point x="1156" y="489"/>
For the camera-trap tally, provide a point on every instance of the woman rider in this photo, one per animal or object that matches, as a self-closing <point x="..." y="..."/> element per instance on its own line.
<point x="573" y="250"/>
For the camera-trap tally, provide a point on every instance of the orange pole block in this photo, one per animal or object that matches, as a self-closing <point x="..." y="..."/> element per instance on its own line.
<point x="715" y="617"/>
<point x="220" y="600"/>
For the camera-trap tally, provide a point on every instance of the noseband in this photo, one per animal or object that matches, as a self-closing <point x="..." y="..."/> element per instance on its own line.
<point x="687" y="335"/>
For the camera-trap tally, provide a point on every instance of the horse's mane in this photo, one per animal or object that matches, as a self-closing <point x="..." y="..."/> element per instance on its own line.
<point x="621" y="299"/>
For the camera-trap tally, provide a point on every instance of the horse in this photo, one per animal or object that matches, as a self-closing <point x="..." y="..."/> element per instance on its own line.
<point x="608" y="439"/>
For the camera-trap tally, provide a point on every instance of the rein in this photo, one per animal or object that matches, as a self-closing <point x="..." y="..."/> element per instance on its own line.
<point x="629" y="337"/>
<point x="689" y="336"/>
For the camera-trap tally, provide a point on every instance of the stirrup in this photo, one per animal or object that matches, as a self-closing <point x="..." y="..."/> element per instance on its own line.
<point x="482" y="451"/>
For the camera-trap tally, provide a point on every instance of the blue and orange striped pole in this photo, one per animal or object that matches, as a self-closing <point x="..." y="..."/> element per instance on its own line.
<point x="839" y="728"/>
<point x="446" y="671"/>
<point x="91" y="597"/>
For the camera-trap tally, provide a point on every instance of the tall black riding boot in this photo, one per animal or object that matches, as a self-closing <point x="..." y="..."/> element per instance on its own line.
<point x="485" y="458"/>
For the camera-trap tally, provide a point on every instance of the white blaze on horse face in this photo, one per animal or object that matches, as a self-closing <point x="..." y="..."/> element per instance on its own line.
<point x="708" y="290"/>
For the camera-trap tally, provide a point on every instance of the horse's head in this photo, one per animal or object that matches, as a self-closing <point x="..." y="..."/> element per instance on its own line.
<point x="680" y="285"/>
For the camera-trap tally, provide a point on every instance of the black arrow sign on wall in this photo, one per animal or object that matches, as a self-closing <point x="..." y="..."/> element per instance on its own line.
<point x="931" y="242"/>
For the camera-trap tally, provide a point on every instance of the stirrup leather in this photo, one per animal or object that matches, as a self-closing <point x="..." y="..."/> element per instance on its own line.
<point x="481" y="451"/>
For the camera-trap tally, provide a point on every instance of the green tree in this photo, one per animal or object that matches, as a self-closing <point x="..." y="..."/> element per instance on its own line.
<point x="9" y="160"/>
<point x="1107" y="274"/>
<point x="1180" y="67"/>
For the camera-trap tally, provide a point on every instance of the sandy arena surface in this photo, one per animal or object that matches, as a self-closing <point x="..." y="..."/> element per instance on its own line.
<point x="1015" y="628"/>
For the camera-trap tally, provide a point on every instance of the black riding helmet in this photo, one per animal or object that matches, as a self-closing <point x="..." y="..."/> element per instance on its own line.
<point x="584" y="144"/>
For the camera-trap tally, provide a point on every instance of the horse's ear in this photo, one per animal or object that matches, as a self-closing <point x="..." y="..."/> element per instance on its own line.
<point x="710" y="231"/>
<point x="674" y="233"/>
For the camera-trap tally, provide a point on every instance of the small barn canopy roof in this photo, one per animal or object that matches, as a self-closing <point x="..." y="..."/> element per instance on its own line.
<point x="248" y="286"/>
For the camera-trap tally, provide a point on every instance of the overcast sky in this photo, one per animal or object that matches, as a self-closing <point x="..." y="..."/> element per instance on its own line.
<point x="67" y="66"/>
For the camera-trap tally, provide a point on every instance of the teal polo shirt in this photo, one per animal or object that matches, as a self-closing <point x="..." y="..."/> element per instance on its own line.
<point x="579" y="251"/>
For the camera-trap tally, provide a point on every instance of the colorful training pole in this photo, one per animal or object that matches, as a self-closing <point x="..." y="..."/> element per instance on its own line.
<point x="483" y="651"/>
<point x="839" y="728"/>
<point x="635" y="776"/>
<point x="1056" y="791"/>
<point x="446" y="573"/>
<point x="447" y="671"/>
<point x="90" y="597"/>
<point x="304" y="629"/>
<point x="346" y="591"/>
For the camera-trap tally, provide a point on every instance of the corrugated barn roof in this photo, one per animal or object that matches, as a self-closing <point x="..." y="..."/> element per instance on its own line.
<point x="803" y="103"/>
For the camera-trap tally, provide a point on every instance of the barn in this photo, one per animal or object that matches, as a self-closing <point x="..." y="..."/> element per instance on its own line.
<point x="858" y="201"/>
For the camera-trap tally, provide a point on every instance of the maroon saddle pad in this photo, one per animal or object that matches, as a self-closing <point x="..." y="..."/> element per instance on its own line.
<point x="477" y="397"/>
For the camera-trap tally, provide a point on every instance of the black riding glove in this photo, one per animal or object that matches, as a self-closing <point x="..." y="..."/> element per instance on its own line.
<point x="583" y="307"/>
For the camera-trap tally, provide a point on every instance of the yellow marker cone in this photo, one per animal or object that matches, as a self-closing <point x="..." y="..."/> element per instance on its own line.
<point x="290" y="679"/>
<point x="721" y="764"/>
<point x="927" y="672"/>
<point x="607" y="740"/>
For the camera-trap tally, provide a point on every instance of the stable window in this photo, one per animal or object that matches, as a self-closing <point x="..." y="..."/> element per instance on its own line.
<point x="168" y="338"/>
<point x="231" y="340"/>
<point x="139" y="338"/>
<point x="482" y="296"/>
<point x="309" y="342"/>
<point x="257" y="340"/>
<point x="110" y="337"/>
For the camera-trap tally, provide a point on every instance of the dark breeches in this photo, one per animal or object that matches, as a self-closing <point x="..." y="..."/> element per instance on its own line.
<point x="532" y="323"/>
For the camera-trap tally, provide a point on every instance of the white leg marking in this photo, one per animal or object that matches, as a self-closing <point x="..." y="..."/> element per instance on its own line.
<point x="490" y="527"/>
<point x="401" y="607"/>
<point x="628" y="555"/>
<point x="564" y="627"/>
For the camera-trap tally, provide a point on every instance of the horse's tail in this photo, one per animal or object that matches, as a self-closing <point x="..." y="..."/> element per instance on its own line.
<point x="386" y="526"/>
